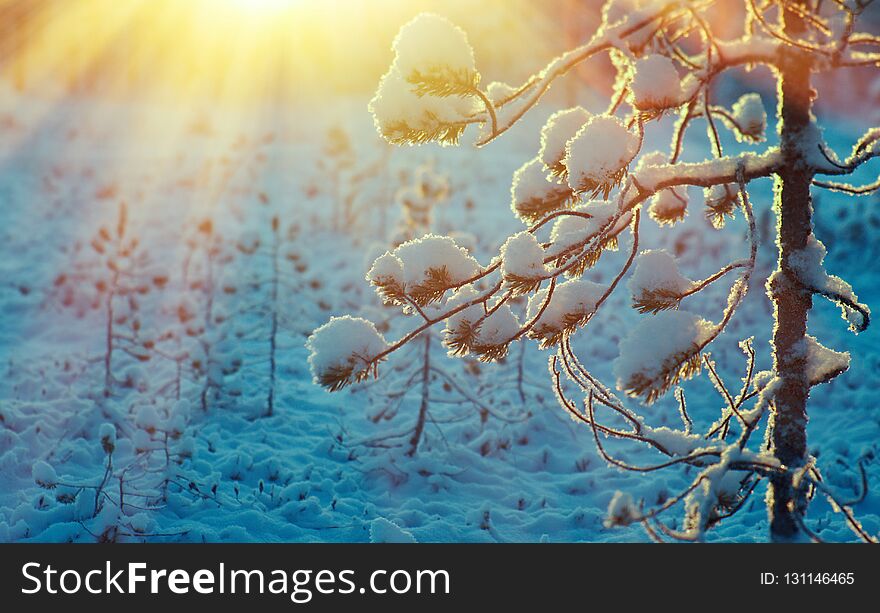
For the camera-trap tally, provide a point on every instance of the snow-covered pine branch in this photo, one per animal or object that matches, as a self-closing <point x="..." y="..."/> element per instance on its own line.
<point x="431" y="94"/>
<point x="344" y="350"/>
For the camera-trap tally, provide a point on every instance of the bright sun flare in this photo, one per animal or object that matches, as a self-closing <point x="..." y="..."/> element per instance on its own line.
<point x="223" y="50"/>
<point x="264" y="6"/>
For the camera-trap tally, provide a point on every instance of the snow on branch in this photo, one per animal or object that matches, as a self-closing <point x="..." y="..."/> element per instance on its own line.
<point x="598" y="170"/>
<point x="559" y="129"/>
<point x="564" y="310"/>
<point x="421" y="270"/>
<point x="608" y="37"/>
<point x="344" y="350"/>
<point x="523" y="268"/>
<point x="823" y="364"/>
<point x="827" y="163"/>
<point x="533" y="196"/>
<point x="430" y="92"/>
<point x="657" y="285"/>
<point x="708" y="173"/>
<point x="653" y="94"/>
<point x="588" y="184"/>
<point x="650" y="370"/>
<point x="808" y="267"/>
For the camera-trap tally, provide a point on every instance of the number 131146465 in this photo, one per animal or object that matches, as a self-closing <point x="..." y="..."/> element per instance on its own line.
<point x="808" y="578"/>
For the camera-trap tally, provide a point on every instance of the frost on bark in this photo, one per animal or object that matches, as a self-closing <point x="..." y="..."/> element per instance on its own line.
<point x="581" y="198"/>
<point x="791" y="302"/>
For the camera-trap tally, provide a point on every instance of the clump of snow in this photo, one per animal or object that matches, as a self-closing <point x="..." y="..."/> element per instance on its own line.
<point x="622" y="510"/>
<point x="431" y="45"/>
<point x="471" y="329"/>
<point x="498" y="91"/>
<point x="657" y="271"/>
<point x="465" y="240"/>
<point x="384" y="531"/>
<point x="719" y="196"/>
<point x="572" y="300"/>
<point x="529" y="181"/>
<point x="402" y="116"/>
<point x="570" y="230"/>
<point x="721" y="201"/>
<point x="498" y="328"/>
<point x="343" y="345"/>
<point x="823" y="364"/>
<point x="186" y="310"/>
<point x="148" y="418"/>
<point x="181" y="408"/>
<point x="676" y="442"/>
<point x="652" y="158"/>
<point x="668" y="206"/>
<point x="187" y="448"/>
<point x="701" y="501"/>
<point x="417" y="261"/>
<point x="386" y="268"/>
<point x="532" y="195"/>
<point x="655" y="84"/>
<point x="522" y="256"/>
<point x="175" y="425"/>
<point x="429" y="51"/>
<point x="560" y="128"/>
<point x="614" y="11"/>
<point x="807" y="265"/>
<point x="657" y="346"/>
<point x="140" y="522"/>
<point x="599" y="153"/>
<point x="730" y="484"/>
<point x="468" y="315"/>
<point x="432" y="252"/>
<point x="762" y="379"/>
<point x="749" y="114"/>
<point x="44" y="475"/>
<point x="107" y="434"/>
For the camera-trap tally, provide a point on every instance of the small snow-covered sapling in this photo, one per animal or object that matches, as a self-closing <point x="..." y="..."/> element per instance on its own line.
<point x="338" y="158"/>
<point x="114" y="279"/>
<point x="134" y="483"/>
<point x="347" y="179"/>
<point x="267" y="292"/>
<point x="208" y="253"/>
<point x="417" y="203"/>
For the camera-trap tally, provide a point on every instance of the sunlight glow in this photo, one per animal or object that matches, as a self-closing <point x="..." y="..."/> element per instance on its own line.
<point x="235" y="50"/>
<point x="265" y="6"/>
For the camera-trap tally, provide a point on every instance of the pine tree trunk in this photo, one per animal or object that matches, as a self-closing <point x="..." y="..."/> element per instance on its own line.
<point x="788" y="420"/>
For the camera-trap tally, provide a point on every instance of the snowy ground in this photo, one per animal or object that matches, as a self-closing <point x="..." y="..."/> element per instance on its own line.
<point x="317" y="470"/>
